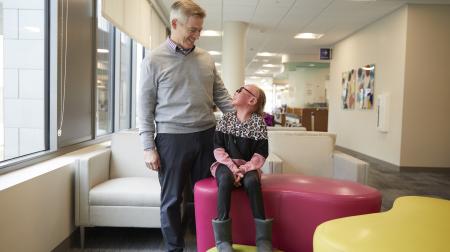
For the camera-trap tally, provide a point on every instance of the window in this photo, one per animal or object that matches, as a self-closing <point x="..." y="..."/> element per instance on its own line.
<point x="76" y="83"/>
<point x="124" y="85"/>
<point x="104" y="75"/>
<point x="23" y="71"/>
<point x="140" y="54"/>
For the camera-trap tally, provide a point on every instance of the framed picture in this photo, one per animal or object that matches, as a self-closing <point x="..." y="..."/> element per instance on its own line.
<point x="348" y="89"/>
<point x="365" y="91"/>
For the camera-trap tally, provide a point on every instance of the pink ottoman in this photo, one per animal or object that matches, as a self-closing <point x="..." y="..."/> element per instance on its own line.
<point x="297" y="203"/>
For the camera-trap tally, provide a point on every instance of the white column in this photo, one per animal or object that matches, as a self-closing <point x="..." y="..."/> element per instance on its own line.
<point x="233" y="54"/>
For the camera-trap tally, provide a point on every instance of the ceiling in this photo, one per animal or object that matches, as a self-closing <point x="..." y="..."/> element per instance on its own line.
<point x="274" y="23"/>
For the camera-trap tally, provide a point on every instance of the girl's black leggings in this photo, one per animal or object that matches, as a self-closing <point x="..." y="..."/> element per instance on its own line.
<point x="250" y="182"/>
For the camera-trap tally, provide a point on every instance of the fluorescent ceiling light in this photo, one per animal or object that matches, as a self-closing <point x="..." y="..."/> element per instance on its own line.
<point x="100" y="50"/>
<point x="211" y="33"/>
<point x="267" y="54"/>
<point x="272" y="65"/>
<point x="308" y="35"/>
<point x="217" y="63"/>
<point x="215" y="53"/>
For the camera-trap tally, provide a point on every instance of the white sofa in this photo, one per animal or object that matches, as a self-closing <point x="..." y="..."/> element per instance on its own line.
<point x="114" y="187"/>
<point x="312" y="153"/>
<point x="272" y="128"/>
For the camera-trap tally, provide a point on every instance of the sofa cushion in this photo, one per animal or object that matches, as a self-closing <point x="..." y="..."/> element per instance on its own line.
<point x="127" y="156"/>
<point x="131" y="191"/>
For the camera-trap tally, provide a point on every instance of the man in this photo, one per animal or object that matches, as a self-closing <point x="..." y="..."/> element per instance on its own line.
<point x="179" y="86"/>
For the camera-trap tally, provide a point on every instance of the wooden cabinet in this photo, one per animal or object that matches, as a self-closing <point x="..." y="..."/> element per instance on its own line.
<point x="315" y="119"/>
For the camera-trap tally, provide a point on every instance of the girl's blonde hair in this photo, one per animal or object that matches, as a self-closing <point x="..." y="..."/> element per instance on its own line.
<point x="261" y="102"/>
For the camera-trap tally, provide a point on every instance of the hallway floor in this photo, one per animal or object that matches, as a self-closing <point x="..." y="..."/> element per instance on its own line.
<point x="392" y="184"/>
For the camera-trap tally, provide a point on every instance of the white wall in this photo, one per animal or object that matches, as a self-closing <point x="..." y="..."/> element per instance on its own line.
<point x="37" y="204"/>
<point x="307" y="85"/>
<point x="426" y="113"/>
<point x="37" y="215"/>
<point x="383" y="44"/>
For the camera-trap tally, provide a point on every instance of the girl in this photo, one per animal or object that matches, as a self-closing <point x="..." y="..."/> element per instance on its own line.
<point x="241" y="148"/>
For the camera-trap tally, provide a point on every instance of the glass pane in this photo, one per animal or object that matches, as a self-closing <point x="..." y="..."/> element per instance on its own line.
<point x="22" y="78"/>
<point x="104" y="74"/>
<point x="125" y="82"/>
<point x="140" y="51"/>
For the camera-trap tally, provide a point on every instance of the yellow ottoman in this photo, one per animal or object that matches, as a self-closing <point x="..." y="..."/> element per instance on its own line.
<point x="414" y="224"/>
<point x="241" y="248"/>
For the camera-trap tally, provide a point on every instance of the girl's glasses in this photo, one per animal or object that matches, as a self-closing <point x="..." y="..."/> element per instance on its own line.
<point x="243" y="88"/>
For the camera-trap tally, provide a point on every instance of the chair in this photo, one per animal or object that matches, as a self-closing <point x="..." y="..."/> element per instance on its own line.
<point x="312" y="153"/>
<point x="297" y="203"/>
<point x="414" y="224"/>
<point x="114" y="188"/>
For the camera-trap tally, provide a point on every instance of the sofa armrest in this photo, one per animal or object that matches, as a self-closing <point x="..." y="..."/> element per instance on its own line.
<point x="92" y="169"/>
<point x="273" y="164"/>
<point x="349" y="168"/>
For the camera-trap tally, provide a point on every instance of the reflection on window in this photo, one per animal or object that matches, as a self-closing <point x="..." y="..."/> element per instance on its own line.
<point x="140" y="51"/>
<point x="22" y="78"/>
<point x="104" y="74"/>
<point x="125" y="82"/>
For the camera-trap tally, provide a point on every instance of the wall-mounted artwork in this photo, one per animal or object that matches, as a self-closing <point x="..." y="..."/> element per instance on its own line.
<point x="348" y="89"/>
<point x="365" y="82"/>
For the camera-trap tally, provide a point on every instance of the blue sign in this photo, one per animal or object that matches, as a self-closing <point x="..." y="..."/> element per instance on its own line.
<point x="325" y="53"/>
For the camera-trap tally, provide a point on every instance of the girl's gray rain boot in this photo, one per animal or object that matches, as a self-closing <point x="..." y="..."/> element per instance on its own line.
<point x="222" y="235"/>
<point x="263" y="235"/>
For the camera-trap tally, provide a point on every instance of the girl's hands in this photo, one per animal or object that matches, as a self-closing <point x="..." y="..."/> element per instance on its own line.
<point x="238" y="175"/>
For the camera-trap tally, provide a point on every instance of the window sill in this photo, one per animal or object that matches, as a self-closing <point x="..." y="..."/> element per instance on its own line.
<point x="47" y="163"/>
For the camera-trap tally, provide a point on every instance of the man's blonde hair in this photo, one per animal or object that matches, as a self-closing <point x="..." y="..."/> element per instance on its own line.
<point x="183" y="9"/>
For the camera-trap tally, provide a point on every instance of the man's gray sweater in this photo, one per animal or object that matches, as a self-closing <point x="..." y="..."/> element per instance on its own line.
<point x="177" y="93"/>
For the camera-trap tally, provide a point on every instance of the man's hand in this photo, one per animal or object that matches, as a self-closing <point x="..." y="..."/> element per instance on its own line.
<point x="151" y="159"/>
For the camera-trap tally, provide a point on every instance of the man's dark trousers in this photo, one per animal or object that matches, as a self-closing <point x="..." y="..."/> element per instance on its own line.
<point x="181" y="155"/>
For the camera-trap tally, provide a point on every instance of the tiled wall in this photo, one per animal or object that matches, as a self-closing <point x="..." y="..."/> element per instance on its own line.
<point x="23" y="65"/>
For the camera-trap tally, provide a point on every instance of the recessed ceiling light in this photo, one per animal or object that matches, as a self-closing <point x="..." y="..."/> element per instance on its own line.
<point x="263" y="71"/>
<point x="368" y="68"/>
<point x="211" y="33"/>
<point x="272" y="65"/>
<point x="215" y="53"/>
<point x="308" y="35"/>
<point x="267" y="54"/>
<point x="100" y="50"/>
